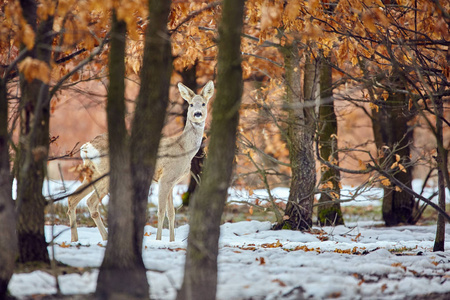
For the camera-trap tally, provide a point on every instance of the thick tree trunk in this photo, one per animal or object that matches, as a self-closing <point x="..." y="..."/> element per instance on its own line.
<point x="34" y="142"/>
<point x="8" y="238"/>
<point x="328" y="213"/>
<point x="200" y="277"/>
<point x="442" y="163"/>
<point x="301" y="140"/>
<point x="122" y="273"/>
<point x="392" y="130"/>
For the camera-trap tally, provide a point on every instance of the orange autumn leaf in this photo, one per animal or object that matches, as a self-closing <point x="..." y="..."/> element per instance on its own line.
<point x="33" y="68"/>
<point x="272" y="245"/>
<point x="262" y="261"/>
<point x="64" y="245"/>
<point x="385" y="181"/>
<point x="28" y="36"/>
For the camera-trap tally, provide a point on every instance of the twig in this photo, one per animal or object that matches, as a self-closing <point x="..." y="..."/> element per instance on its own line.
<point x="82" y="189"/>
<point x="79" y="66"/>
<point x="263" y="58"/>
<point x="70" y="154"/>
<point x="410" y="191"/>
<point x="194" y="14"/>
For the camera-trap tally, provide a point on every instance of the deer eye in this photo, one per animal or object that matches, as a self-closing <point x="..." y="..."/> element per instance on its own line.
<point x="191" y="105"/>
<point x="203" y="104"/>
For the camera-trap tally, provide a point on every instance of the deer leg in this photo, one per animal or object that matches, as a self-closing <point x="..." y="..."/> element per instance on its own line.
<point x="164" y="190"/>
<point x="72" y="210"/>
<point x="93" y="203"/>
<point x="171" y="215"/>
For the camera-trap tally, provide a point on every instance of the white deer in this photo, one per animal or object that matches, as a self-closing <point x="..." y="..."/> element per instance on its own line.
<point x="173" y="163"/>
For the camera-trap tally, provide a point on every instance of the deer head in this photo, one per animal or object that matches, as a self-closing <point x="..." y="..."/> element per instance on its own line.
<point x="198" y="104"/>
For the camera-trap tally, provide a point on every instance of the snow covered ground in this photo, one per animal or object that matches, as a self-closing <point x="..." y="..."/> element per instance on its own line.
<point x="358" y="261"/>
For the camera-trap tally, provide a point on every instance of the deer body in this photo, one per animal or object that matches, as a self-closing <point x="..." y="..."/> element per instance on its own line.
<point x="173" y="163"/>
<point x="95" y="158"/>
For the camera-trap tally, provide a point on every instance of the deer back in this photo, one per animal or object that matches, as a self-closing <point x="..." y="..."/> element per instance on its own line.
<point x="95" y="154"/>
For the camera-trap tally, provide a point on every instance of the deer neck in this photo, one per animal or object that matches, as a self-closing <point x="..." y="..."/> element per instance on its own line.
<point x="193" y="134"/>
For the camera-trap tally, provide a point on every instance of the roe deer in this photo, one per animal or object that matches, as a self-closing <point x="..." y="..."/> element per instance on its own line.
<point x="173" y="163"/>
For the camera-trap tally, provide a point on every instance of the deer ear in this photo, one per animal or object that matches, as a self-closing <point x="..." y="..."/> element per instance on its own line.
<point x="185" y="92"/>
<point x="208" y="90"/>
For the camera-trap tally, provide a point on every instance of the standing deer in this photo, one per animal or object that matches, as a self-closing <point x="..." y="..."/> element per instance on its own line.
<point x="173" y="163"/>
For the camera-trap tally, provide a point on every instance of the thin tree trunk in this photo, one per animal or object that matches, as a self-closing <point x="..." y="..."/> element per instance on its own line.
<point x="150" y="110"/>
<point x="442" y="161"/>
<point x="200" y="277"/>
<point x="301" y="140"/>
<point x="328" y="213"/>
<point x="196" y="171"/>
<point x="133" y="163"/>
<point x="8" y="238"/>
<point x="34" y="142"/>
<point x="122" y="273"/>
<point x="391" y="129"/>
<point x="190" y="79"/>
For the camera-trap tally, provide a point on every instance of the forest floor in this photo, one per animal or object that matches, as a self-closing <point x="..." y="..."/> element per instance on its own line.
<point x="361" y="260"/>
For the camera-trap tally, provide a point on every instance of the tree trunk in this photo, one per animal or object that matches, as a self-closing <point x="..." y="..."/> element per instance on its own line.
<point x="200" y="277"/>
<point x="328" y="213"/>
<point x="34" y="142"/>
<point x="392" y="131"/>
<point x="301" y="140"/>
<point x="190" y="79"/>
<point x="122" y="273"/>
<point x="8" y="238"/>
<point x="196" y="170"/>
<point x="442" y="163"/>
<point x="150" y="110"/>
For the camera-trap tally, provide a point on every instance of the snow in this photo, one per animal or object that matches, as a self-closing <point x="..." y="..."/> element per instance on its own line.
<point x="350" y="195"/>
<point x="256" y="262"/>
<point x="358" y="261"/>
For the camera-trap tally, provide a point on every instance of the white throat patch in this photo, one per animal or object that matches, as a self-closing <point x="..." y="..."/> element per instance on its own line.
<point x="87" y="151"/>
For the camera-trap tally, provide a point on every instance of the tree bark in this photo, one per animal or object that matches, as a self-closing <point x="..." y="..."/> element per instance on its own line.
<point x="150" y="110"/>
<point x="392" y="131"/>
<point x="196" y="170"/>
<point x="301" y="139"/>
<point x="200" y="277"/>
<point x="328" y="213"/>
<point x="122" y="273"/>
<point x="34" y="142"/>
<point x="442" y="163"/>
<point x="8" y="238"/>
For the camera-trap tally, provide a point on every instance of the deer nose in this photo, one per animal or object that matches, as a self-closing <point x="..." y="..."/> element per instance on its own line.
<point x="197" y="114"/>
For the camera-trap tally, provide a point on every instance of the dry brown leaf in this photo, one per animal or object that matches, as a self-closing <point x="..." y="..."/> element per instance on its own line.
<point x="281" y="283"/>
